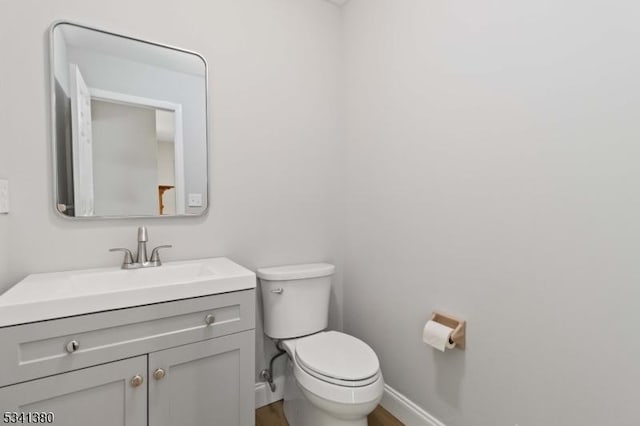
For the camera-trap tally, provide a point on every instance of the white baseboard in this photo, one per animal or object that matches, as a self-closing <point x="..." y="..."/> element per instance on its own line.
<point x="264" y="396"/>
<point x="406" y="410"/>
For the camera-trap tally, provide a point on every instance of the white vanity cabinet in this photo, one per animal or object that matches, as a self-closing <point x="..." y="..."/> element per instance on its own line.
<point x="205" y="383"/>
<point x="184" y="362"/>
<point x="100" y="396"/>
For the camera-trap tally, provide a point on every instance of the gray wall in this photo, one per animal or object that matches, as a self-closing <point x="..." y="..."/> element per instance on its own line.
<point x="125" y="159"/>
<point x="4" y="236"/>
<point x="493" y="172"/>
<point x="4" y="248"/>
<point x="274" y="88"/>
<point x="5" y="108"/>
<point x="61" y="70"/>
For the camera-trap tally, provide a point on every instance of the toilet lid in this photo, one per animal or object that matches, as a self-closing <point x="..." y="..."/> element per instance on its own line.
<point x="337" y="355"/>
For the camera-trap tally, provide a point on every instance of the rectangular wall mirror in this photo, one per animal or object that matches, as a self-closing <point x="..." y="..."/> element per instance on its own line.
<point x="129" y="126"/>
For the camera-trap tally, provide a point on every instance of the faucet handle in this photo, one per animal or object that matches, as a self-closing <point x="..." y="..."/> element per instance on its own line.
<point x="127" y="262"/>
<point x="155" y="254"/>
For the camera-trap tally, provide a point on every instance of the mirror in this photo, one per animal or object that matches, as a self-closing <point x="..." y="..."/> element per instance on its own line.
<point x="129" y="126"/>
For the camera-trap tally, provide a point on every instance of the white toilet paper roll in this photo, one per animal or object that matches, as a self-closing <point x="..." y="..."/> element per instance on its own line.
<point x="437" y="335"/>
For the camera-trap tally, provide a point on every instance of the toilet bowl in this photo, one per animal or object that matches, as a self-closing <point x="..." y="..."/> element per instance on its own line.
<point x="339" y="384"/>
<point x="332" y="378"/>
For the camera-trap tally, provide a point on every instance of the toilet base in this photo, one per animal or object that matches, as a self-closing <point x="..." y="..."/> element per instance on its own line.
<point x="294" y="403"/>
<point x="303" y="408"/>
<point x="316" y="417"/>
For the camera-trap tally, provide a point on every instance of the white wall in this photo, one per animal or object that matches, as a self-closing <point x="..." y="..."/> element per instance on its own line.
<point x="274" y="87"/>
<point x="4" y="235"/>
<point x="61" y="66"/>
<point x="4" y="174"/>
<point x="125" y="159"/>
<point x="4" y="249"/>
<point x="493" y="172"/>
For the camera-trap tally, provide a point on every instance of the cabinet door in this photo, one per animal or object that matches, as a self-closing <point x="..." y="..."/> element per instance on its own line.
<point x="96" y="396"/>
<point x="210" y="383"/>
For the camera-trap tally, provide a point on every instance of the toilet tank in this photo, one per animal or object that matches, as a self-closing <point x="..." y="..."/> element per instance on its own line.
<point x="295" y="299"/>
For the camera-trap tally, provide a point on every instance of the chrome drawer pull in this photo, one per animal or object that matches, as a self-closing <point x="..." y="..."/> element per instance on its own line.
<point x="72" y="346"/>
<point x="209" y="319"/>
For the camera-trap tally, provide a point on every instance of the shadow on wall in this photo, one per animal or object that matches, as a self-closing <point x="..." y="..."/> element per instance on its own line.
<point x="449" y="372"/>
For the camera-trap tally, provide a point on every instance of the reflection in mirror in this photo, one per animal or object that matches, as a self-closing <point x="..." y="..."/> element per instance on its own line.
<point x="130" y="126"/>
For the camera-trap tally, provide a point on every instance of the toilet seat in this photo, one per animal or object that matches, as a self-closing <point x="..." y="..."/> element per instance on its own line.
<point x="335" y="381"/>
<point x="338" y="358"/>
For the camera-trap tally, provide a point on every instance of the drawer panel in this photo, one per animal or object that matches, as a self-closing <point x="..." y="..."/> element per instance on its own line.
<point x="40" y="349"/>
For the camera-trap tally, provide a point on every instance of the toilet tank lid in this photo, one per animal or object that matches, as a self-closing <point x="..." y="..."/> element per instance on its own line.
<point x="296" y="272"/>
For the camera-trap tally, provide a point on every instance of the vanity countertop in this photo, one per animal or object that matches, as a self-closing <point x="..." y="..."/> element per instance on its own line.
<point x="62" y="294"/>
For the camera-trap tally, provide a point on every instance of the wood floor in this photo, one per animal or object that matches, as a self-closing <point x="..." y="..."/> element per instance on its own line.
<point x="272" y="415"/>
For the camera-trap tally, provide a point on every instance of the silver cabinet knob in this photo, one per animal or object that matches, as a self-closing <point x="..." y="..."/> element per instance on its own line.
<point x="277" y="290"/>
<point x="72" y="346"/>
<point x="136" y="381"/>
<point x="209" y="319"/>
<point x="159" y="374"/>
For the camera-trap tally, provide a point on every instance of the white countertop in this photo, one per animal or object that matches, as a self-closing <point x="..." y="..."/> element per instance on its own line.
<point x="47" y="296"/>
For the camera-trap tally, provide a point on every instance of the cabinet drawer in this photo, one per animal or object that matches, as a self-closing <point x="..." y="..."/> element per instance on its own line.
<point x="40" y="349"/>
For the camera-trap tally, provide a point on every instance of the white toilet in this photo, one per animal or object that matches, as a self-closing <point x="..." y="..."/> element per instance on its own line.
<point x="332" y="379"/>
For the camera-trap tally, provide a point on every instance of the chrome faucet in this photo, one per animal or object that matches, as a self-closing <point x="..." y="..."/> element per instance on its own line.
<point x="143" y="237"/>
<point x="141" y="258"/>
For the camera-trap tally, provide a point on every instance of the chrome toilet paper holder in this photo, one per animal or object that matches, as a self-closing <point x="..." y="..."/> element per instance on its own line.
<point x="458" y="336"/>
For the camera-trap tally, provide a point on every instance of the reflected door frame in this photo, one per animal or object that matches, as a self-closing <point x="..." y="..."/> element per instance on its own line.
<point x="82" y="143"/>
<point x="124" y="98"/>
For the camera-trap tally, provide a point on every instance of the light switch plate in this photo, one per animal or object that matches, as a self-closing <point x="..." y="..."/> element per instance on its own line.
<point x="195" y="200"/>
<point x="4" y="196"/>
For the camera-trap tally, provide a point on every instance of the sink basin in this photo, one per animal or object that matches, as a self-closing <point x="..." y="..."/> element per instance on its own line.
<point x="53" y="295"/>
<point x="107" y="281"/>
